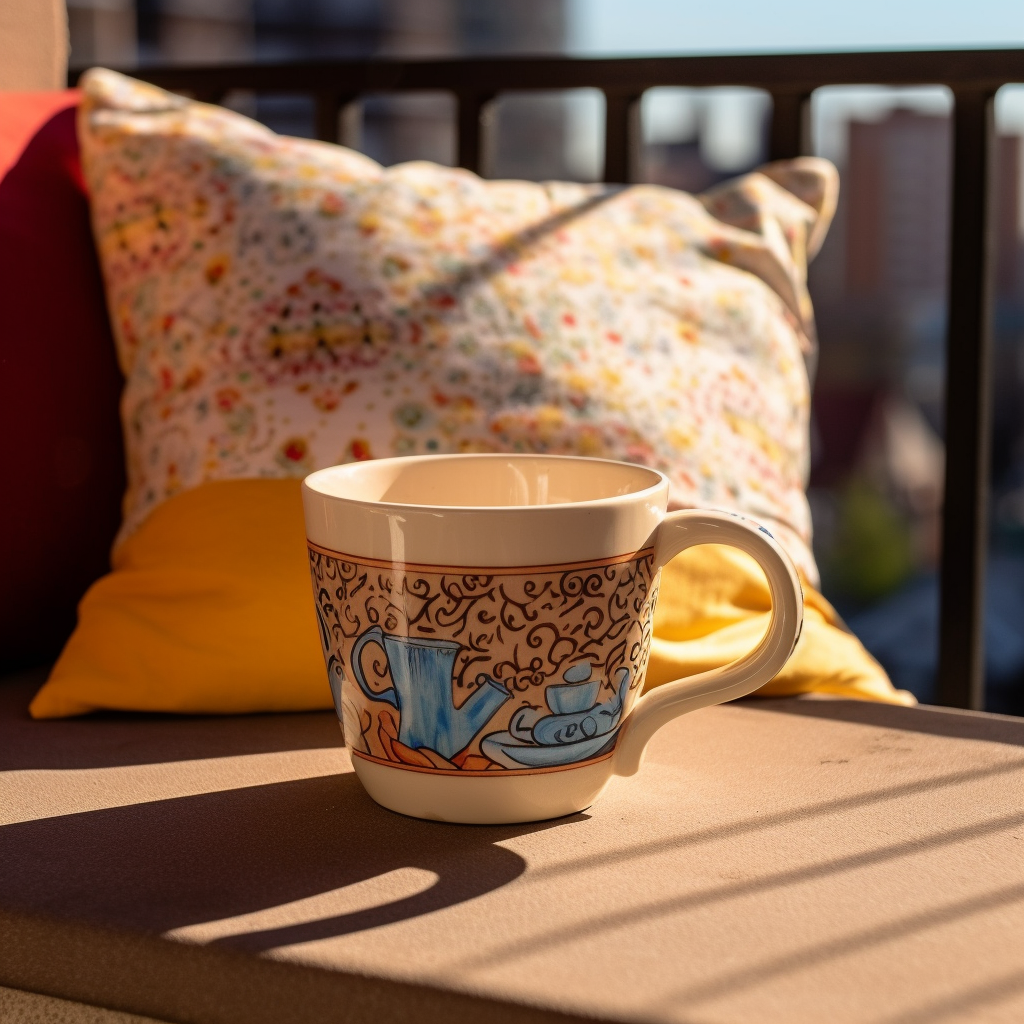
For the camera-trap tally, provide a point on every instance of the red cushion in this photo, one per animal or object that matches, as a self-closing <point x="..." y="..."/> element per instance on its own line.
<point x="63" y="463"/>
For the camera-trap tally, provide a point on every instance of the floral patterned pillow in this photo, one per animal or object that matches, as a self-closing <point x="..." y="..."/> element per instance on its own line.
<point x="281" y="305"/>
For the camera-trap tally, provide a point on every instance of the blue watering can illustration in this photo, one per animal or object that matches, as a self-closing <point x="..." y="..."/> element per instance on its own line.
<point x="421" y="691"/>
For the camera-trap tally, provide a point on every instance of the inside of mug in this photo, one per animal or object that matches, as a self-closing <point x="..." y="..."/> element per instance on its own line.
<point x="476" y="481"/>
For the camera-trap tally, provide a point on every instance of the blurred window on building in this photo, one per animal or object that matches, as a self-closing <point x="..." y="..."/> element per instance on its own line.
<point x="694" y="138"/>
<point x="206" y="31"/>
<point x="310" y="29"/>
<point x="396" y="128"/>
<point x="546" y="136"/>
<point x="102" y="32"/>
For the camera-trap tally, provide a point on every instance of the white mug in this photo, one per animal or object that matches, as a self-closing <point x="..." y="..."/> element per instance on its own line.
<point x="486" y="622"/>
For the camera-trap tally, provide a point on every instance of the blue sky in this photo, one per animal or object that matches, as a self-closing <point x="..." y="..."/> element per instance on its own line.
<point x="743" y="26"/>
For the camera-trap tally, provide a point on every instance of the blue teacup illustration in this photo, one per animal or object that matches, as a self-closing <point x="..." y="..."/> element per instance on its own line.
<point x="577" y="728"/>
<point x="578" y="693"/>
<point x="421" y="676"/>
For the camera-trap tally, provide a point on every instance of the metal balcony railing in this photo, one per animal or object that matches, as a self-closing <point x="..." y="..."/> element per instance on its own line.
<point x="973" y="76"/>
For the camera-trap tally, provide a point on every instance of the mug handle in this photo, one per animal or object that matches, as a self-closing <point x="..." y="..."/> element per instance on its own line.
<point x="376" y="635"/>
<point x="677" y="532"/>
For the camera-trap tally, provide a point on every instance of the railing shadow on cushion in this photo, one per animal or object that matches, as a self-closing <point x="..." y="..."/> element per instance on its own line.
<point x="973" y="77"/>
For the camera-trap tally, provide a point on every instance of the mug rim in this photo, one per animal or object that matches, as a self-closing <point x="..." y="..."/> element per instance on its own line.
<point x="659" y="481"/>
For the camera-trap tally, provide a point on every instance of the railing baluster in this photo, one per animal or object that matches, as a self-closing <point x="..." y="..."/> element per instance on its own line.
<point x="790" y="126"/>
<point x="471" y="130"/>
<point x="329" y="105"/>
<point x="351" y="131"/>
<point x="621" y="136"/>
<point x="968" y="415"/>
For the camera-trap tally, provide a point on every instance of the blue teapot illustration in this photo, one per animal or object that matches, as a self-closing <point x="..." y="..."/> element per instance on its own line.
<point x="421" y="691"/>
<point x="577" y="728"/>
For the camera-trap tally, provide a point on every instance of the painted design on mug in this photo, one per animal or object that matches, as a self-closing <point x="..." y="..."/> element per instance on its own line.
<point x="505" y="669"/>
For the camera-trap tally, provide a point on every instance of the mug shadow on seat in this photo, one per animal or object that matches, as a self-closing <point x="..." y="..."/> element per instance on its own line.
<point x="165" y="865"/>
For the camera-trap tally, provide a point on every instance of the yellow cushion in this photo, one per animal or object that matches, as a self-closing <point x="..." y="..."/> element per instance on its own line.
<point x="209" y="610"/>
<point x="713" y="607"/>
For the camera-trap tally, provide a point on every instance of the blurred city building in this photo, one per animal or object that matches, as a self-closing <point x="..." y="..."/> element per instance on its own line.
<point x="695" y="138"/>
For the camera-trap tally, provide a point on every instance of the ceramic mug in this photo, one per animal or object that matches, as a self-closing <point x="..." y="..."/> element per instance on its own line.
<point x="486" y="622"/>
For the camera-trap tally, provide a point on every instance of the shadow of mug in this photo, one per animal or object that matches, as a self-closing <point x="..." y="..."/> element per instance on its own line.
<point x="171" y="864"/>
